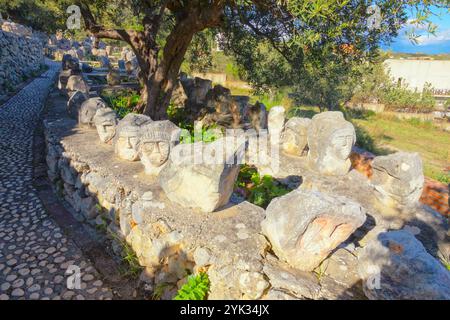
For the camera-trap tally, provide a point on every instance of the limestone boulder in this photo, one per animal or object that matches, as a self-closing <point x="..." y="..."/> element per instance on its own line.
<point x="77" y="83"/>
<point x="88" y="110"/>
<point x="197" y="94"/>
<point x="113" y="78"/>
<point x="398" y="178"/>
<point x="275" y="124"/>
<point x="201" y="175"/>
<point x="257" y="116"/>
<point x="63" y="78"/>
<point x="104" y="62"/>
<point x="294" y="139"/>
<point x="76" y="99"/>
<point x="396" y="266"/>
<point x="305" y="226"/>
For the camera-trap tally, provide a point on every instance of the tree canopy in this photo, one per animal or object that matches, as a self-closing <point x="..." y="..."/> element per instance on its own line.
<point x="276" y="42"/>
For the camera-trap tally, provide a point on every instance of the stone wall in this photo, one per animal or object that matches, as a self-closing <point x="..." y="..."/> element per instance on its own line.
<point x="19" y="58"/>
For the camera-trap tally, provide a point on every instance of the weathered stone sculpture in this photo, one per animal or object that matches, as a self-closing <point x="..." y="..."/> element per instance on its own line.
<point x="206" y="183"/>
<point x="199" y="91"/>
<point x="305" y="226"/>
<point x="257" y="115"/>
<point x="104" y="62"/>
<point x="275" y="124"/>
<point x="179" y="96"/>
<point x="106" y="121"/>
<point x="224" y="111"/>
<point x="88" y="110"/>
<point x="64" y="76"/>
<point x="113" y="78"/>
<point x="157" y="140"/>
<point x="396" y="266"/>
<point x="294" y="139"/>
<point x="398" y="178"/>
<point x="77" y="83"/>
<point x="127" y="136"/>
<point x="330" y="140"/>
<point x="74" y="104"/>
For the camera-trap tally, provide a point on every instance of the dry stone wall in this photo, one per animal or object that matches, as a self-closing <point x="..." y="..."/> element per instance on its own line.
<point x="19" y="58"/>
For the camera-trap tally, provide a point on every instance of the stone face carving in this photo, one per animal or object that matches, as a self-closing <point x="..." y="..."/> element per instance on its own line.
<point x="294" y="139"/>
<point x="398" y="178"/>
<point x="275" y="124"/>
<point x="77" y="83"/>
<point x="105" y="121"/>
<point x="127" y="136"/>
<point x="305" y="226"/>
<point x="396" y="266"/>
<point x="330" y="140"/>
<point x="157" y="140"/>
<point x="74" y="104"/>
<point x="206" y="185"/>
<point x="88" y="110"/>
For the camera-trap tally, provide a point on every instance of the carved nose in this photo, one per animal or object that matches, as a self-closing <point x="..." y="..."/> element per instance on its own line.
<point x="129" y="144"/>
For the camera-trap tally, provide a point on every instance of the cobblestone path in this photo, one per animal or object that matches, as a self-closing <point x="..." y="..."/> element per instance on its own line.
<point x="34" y="253"/>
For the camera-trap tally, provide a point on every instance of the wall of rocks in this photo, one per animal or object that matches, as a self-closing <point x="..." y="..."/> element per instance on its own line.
<point x="19" y="57"/>
<point x="130" y="178"/>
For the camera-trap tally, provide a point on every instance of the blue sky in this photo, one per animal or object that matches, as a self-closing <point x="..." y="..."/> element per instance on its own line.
<point x="430" y="44"/>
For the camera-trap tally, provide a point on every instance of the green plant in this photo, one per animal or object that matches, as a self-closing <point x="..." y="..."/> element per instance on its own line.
<point x="443" y="178"/>
<point x="258" y="190"/>
<point x="123" y="102"/>
<point x="196" y="288"/>
<point x="159" y="290"/>
<point x="445" y="260"/>
<point x="321" y="270"/>
<point x="129" y="257"/>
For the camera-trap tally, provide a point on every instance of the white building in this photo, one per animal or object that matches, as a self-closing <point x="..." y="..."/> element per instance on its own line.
<point x="416" y="73"/>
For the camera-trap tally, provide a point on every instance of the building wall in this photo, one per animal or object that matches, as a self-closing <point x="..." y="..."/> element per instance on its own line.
<point x="416" y="73"/>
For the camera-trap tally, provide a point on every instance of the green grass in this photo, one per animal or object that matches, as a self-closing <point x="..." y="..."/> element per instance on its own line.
<point x="391" y="134"/>
<point x="133" y="268"/>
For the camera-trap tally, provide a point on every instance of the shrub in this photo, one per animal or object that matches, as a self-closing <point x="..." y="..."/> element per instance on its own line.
<point x="256" y="189"/>
<point x="123" y="102"/>
<point x="196" y="288"/>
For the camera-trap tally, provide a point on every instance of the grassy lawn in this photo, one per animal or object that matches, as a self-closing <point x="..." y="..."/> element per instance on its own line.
<point x="392" y="134"/>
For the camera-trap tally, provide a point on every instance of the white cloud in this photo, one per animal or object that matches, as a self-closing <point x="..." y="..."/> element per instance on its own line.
<point x="439" y="37"/>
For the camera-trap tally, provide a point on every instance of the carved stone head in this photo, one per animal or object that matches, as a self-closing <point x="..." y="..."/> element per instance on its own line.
<point x="294" y="138"/>
<point x="128" y="135"/>
<point x="398" y="178"/>
<point x="88" y="110"/>
<point x="330" y="140"/>
<point x="105" y="121"/>
<point x="157" y="140"/>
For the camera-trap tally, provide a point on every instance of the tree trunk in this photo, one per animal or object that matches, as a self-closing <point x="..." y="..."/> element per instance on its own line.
<point x="163" y="81"/>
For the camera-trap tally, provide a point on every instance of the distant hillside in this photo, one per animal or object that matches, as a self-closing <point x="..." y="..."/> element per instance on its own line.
<point x="400" y="55"/>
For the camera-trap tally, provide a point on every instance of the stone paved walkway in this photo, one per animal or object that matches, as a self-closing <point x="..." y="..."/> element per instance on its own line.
<point x="34" y="252"/>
